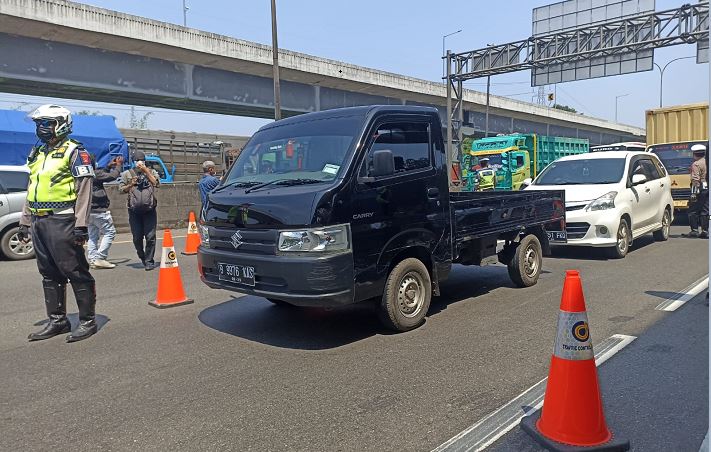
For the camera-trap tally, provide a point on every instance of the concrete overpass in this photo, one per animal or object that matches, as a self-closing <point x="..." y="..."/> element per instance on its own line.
<point x="64" y="49"/>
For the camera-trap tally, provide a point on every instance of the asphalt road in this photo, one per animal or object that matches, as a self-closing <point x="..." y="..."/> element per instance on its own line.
<point x="231" y="372"/>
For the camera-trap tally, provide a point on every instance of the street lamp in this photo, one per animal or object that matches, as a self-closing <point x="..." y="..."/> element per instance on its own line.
<point x="488" y="90"/>
<point x="661" y="76"/>
<point x="275" y="53"/>
<point x="616" y="99"/>
<point x="185" y="14"/>
<point x="444" y="62"/>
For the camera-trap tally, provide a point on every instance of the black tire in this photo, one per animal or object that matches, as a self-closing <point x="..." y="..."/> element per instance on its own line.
<point x="662" y="235"/>
<point x="13" y="249"/>
<point x="624" y="241"/>
<point x="525" y="266"/>
<point x="280" y="303"/>
<point x="407" y="296"/>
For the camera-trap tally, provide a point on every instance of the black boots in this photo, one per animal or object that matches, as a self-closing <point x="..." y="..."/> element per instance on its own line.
<point x="55" y="296"/>
<point x="55" y="300"/>
<point x="85" y="293"/>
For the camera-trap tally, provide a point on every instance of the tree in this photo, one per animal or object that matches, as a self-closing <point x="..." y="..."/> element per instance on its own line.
<point x="565" y="108"/>
<point x="136" y="122"/>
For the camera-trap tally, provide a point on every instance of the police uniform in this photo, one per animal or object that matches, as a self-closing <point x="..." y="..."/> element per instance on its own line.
<point x="699" y="205"/>
<point x="57" y="211"/>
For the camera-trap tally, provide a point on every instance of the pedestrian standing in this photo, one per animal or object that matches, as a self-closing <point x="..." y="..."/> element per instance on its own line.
<point x="140" y="183"/>
<point x="101" y="224"/>
<point x="699" y="202"/>
<point x="208" y="181"/>
<point x="56" y="213"/>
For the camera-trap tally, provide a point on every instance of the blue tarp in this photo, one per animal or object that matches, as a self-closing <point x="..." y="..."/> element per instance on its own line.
<point x="99" y="135"/>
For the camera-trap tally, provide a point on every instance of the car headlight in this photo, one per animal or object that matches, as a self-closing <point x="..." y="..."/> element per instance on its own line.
<point x="604" y="202"/>
<point x="330" y="238"/>
<point x="204" y="235"/>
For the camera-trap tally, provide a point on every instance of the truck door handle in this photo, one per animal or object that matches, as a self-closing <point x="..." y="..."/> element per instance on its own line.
<point x="433" y="192"/>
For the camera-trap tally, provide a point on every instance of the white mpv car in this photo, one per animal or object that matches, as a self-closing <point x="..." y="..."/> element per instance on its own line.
<point x="611" y="198"/>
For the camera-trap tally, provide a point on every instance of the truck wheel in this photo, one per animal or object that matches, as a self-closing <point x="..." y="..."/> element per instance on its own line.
<point x="620" y="250"/>
<point x="407" y="296"/>
<point x="662" y="235"/>
<point x="525" y="267"/>
<point x="13" y="248"/>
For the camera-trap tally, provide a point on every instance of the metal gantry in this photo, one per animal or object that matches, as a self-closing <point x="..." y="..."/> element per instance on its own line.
<point x="687" y="24"/>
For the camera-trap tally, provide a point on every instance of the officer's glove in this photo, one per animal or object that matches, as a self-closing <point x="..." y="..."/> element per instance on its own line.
<point x="81" y="235"/>
<point x="23" y="234"/>
<point x="693" y="197"/>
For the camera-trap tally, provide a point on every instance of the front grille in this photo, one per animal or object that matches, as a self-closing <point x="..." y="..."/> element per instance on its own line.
<point x="570" y="208"/>
<point x="250" y="241"/>
<point x="576" y="230"/>
<point x="681" y="193"/>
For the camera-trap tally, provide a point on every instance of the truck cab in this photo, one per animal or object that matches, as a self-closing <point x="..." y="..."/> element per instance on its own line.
<point x="353" y="205"/>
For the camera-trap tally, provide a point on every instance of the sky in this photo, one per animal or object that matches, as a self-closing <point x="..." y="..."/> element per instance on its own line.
<point x="403" y="37"/>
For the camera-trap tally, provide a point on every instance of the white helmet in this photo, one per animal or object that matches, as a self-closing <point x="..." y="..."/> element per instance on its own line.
<point x="61" y="115"/>
<point x="698" y="149"/>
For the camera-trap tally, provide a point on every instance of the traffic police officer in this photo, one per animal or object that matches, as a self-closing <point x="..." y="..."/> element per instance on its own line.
<point x="57" y="213"/>
<point x="699" y="206"/>
<point x="486" y="176"/>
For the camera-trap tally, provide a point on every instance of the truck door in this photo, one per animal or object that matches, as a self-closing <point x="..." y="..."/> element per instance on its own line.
<point x="394" y="211"/>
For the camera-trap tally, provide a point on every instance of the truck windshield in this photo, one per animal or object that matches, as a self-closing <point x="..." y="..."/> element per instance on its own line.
<point x="310" y="151"/>
<point x="495" y="160"/>
<point x="677" y="157"/>
<point x="582" y="172"/>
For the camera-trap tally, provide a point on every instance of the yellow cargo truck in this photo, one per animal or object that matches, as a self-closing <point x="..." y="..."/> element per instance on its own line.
<point x="671" y="132"/>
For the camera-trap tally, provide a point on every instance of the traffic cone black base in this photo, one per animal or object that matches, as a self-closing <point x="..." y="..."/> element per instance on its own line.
<point x="528" y="424"/>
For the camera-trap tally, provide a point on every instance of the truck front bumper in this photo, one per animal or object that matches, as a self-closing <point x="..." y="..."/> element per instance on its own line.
<point x="299" y="280"/>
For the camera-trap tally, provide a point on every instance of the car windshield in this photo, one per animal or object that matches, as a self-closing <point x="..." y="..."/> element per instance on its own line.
<point x="305" y="152"/>
<point x="582" y="172"/>
<point x="677" y="157"/>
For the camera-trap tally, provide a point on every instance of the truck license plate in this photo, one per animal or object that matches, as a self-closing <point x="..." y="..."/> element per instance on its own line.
<point x="557" y="236"/>
<point x="236" y="274"/>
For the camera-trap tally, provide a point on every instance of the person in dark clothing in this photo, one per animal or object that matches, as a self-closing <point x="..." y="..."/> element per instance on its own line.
<point x="101" y="224"/>
<point x="208" y="181"/>
<point x="56" y="213"/>
<point x="140" y="183"/>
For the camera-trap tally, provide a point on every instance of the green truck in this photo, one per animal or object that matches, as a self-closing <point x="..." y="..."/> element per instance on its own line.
<point x="515" y="158"/>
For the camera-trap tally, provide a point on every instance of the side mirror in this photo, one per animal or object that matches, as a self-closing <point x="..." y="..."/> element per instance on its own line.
<point x="526" y="182"/>
<point x="638" y="179"/>
<point x="383" y="163"/>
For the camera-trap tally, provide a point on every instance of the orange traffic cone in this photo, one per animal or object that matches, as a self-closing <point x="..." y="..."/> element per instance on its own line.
<point x="572" y="413"/>
<point x="170" y="284"/>
<point x="192" y="241"/>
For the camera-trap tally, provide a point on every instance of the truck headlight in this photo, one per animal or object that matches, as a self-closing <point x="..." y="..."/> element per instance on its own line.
<point x="204" y="235"/>
<point x="604" y="202"/>
<point x="329" y="238"/>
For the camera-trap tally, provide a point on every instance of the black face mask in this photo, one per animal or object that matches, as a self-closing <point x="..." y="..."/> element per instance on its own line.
<point x="45" y="133"/>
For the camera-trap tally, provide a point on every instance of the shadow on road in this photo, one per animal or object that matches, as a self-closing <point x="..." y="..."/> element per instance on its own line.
<point x="663" y="294"/>
<point x="258" y="320"/>
<point x="596" y="254"/>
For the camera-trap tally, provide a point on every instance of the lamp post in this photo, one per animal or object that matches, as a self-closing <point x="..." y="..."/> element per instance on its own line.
<point x="488" y="90"/>
<point x="616" y="99"/>
<point x="275" y="53"/>
<point x="185" y="14"/>
<point x="444" y="62"/>
<point x="661" y="75"/>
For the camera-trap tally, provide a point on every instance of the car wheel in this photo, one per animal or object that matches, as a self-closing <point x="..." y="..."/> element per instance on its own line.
<point x="624" y="236"/>
<point x="407" y="296"/>
<point x="525" y="266"/>
<point x="662" y="235"/>
<point x="13" y="248"/>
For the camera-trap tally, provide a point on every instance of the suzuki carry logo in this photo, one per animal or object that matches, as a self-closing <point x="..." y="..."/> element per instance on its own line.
<point x="360" y="216"/>
<point x="236" y="239"/>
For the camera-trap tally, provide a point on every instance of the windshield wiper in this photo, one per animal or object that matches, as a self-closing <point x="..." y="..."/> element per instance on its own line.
<point x="284" y="182"/>
<point x="240" y="184"/>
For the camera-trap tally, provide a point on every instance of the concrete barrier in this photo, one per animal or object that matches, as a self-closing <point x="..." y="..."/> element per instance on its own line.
<point x="175" y="201"/>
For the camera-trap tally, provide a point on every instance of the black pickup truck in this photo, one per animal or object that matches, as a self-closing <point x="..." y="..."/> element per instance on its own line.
<point x="353" y="205"/>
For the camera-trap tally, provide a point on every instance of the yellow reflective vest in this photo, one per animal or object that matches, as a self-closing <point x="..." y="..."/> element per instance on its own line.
<point x="52" y="184"/>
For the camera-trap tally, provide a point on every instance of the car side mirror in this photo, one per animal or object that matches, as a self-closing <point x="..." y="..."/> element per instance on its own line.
<point x="638" y="179"/>
<point x="383" y="163"/>
<point x="526" y="182"/>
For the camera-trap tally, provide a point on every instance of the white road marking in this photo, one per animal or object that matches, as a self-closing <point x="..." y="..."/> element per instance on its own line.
<point x="674" y="303"/>
<point x="492" y="427"/>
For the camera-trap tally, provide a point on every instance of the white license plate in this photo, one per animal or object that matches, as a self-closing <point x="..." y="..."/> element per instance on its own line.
<point x="236" y="274"/>
<point x="557" y="236"/>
